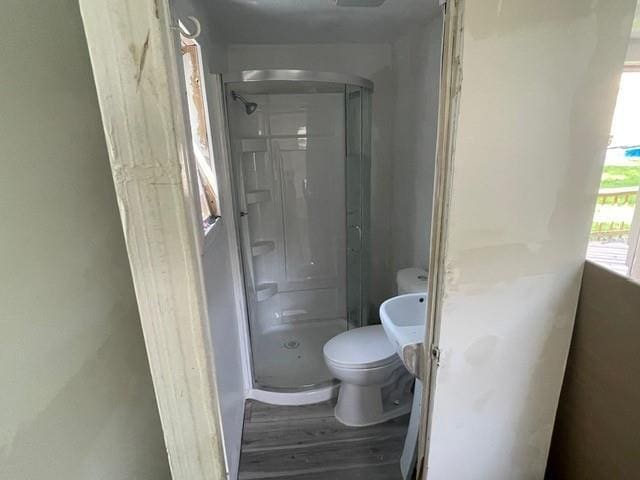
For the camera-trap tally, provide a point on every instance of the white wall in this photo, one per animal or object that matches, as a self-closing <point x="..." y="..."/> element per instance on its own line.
<point x="227" y="347"/>
<point x="224" y="308"/>
<point x="373" y="62"/>
<point x="633" y="50"/>
<point x="539" y="82"/>
<point x="416" y="69"/>
<point x="77" y="400"/>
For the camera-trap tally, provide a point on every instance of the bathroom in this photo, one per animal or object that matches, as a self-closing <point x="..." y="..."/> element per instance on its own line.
<point x="217" y="116"/>
<point x="324" y="165"/>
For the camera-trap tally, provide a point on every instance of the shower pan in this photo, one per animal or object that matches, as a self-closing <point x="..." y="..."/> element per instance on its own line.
<point x="301" y="154"/>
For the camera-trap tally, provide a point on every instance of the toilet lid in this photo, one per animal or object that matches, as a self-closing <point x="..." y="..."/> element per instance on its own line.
<point x="364" y="347"/>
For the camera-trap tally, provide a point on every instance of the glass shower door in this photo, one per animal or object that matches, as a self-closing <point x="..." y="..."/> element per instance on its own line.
<point x="301" y="167"/>
<point x="357" y="182"/>
<point x="288" y="163"/>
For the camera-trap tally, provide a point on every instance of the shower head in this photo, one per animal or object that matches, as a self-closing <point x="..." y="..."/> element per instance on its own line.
<point x="249" y="107"/>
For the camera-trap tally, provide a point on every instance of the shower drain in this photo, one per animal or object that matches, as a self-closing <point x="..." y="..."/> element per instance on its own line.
<point x="291" y="344"/>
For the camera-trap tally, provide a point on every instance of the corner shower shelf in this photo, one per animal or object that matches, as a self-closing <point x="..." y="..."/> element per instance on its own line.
<point x="254" y="144"/>
<point x="257" y="196"/>
<point x="266" y="290"/>
<point x="293" y="316"/>
<point x="262" y="247"/>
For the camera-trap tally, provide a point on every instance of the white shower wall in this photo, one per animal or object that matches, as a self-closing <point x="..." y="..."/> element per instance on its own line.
<point x="372" y="61"/>
<point x="289" y="159"/>
<point x="406" y="78"/>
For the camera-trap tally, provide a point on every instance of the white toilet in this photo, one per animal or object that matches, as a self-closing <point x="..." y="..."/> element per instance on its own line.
<point x="375" y="386"/>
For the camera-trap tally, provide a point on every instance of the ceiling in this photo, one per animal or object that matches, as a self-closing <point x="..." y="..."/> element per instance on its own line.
<point x="315" y="21"/>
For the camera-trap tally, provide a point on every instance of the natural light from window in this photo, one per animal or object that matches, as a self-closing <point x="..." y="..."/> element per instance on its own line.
<point x="200" y="132"/>
<point x="616" y="222"/>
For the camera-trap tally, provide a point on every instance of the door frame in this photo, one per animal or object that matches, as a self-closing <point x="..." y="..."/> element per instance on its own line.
<point x="448" y="102"/>
<point x="133" y="55"/>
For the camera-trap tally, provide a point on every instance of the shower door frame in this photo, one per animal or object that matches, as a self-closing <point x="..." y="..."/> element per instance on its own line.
<point x="326" y="390"/>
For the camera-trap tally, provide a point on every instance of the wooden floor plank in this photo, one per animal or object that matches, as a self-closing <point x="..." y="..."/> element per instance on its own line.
<point x="308" y="443"/>
<point x="377" y="472"/>
<point x="258" y="436"/>
<point x="317" y="459"/>
<point x="262" y="412"/>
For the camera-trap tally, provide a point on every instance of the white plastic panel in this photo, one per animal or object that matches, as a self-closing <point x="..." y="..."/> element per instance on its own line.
<point x="313" y="209"/>
<point x="307" y="305"/>
<point x="308" y="115"/>
<point x="290" y="170"/>
<point x="257" y="196"/>
<point x="262" y="247"/>
<point x="254" y="144"/>
<point x="265" y="291"/>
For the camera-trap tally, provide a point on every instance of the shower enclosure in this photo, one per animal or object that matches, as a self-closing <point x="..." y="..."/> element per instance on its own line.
<point x="301" y="154"/>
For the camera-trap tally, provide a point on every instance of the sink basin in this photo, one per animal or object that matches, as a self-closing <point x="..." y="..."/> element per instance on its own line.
<point x="404" y="318"/>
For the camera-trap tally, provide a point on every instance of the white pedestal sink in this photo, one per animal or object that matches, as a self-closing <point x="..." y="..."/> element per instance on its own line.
<point x="404" y="321"/>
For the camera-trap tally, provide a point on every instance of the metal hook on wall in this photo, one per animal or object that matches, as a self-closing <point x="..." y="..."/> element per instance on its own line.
<point x="186" y="33"/>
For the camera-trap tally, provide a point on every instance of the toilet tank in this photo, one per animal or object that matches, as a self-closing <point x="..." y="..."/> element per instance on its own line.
<point x="411" y="280"/>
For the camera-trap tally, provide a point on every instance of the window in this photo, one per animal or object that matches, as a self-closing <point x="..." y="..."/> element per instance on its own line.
<point x="200" y="132"/>
<point x="616" y="222"/>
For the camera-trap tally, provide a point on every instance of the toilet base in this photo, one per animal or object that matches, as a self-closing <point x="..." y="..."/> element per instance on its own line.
<point x="361" y="406"/>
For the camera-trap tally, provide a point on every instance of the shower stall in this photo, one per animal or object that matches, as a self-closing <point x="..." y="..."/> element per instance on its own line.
<point x="301" y="155"/>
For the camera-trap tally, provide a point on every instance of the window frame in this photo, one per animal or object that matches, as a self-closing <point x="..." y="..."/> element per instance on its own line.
<point x="211" y="224"/>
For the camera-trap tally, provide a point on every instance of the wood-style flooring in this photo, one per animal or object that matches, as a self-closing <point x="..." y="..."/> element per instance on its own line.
<point x="308" y="443"/>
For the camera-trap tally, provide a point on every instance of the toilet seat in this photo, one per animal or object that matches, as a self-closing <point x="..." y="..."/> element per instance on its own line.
<point x="361" y="348"/>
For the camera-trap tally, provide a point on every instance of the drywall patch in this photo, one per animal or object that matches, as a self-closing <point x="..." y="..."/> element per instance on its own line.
<point x="481" y="351"/>
<point x="481" y="402"/>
